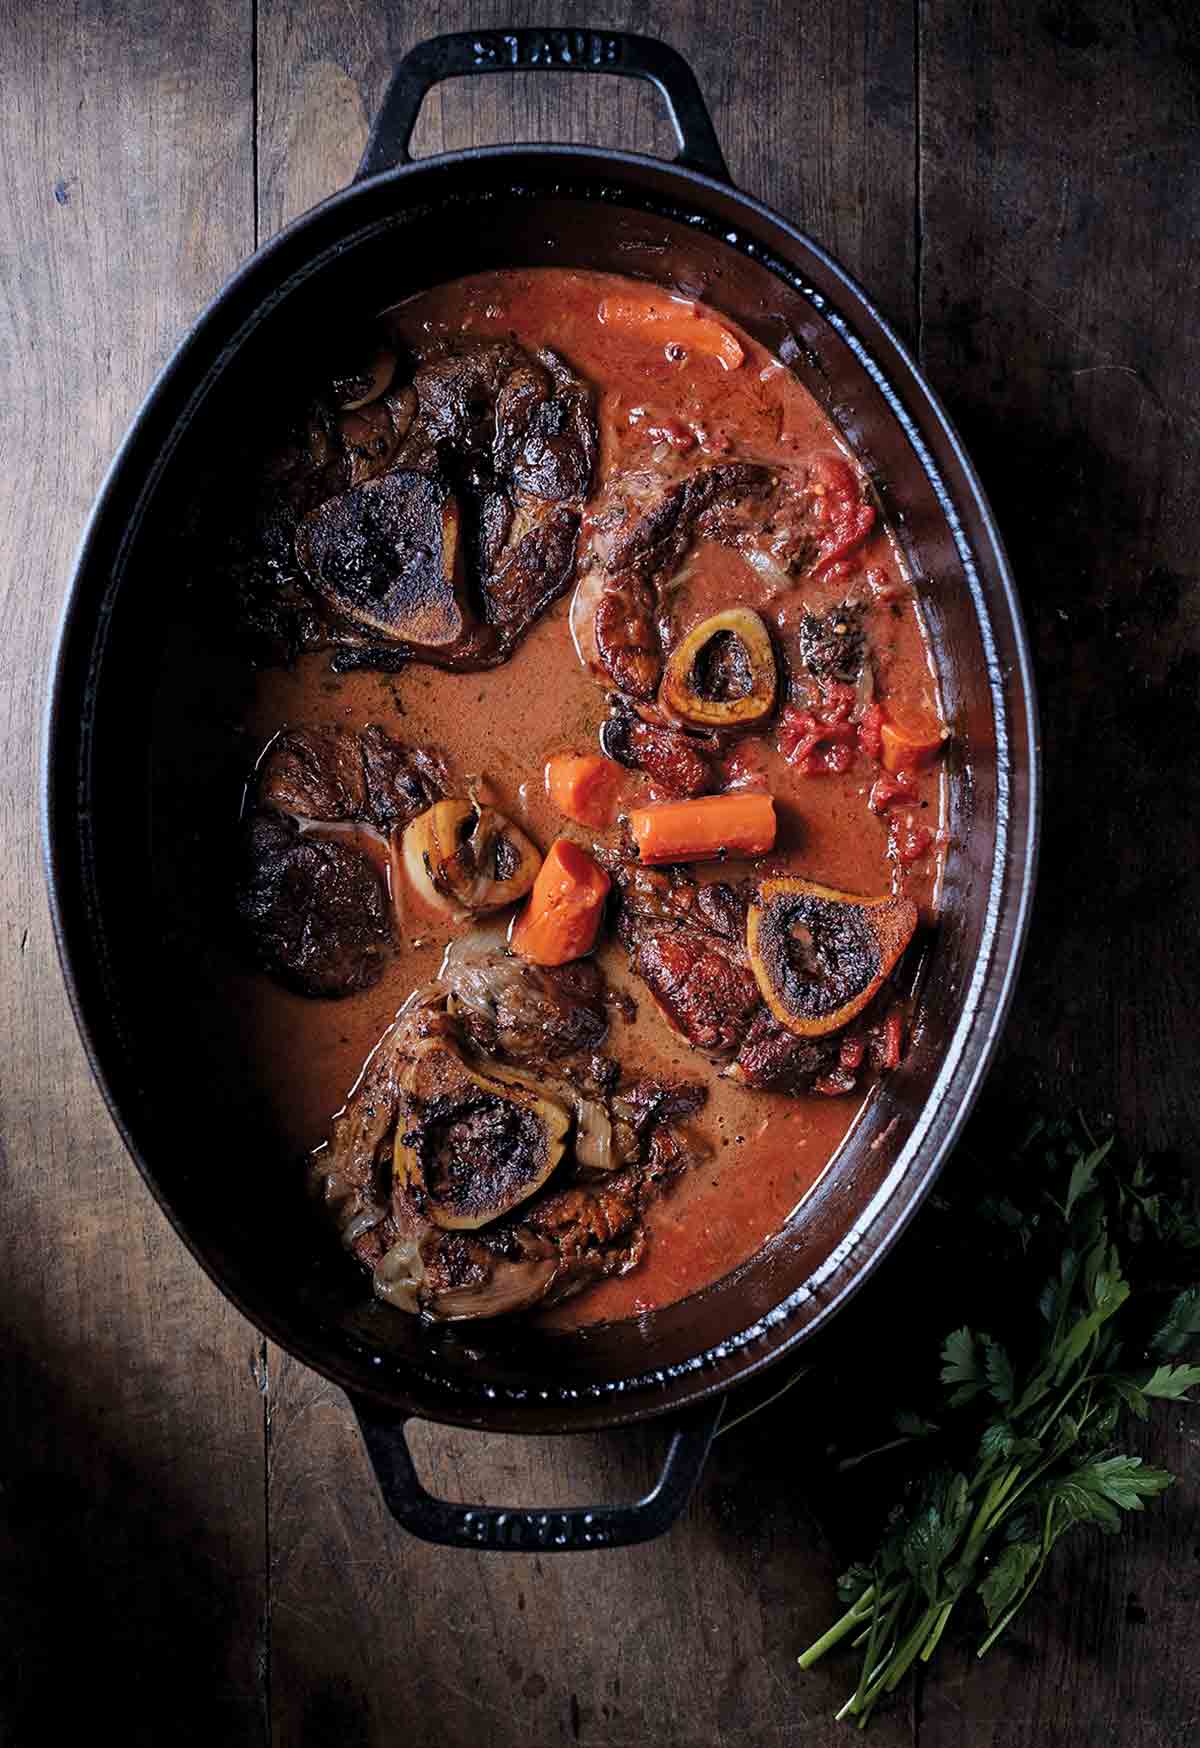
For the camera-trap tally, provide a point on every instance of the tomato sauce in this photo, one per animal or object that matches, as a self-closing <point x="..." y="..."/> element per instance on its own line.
<point x="661" y="406"/>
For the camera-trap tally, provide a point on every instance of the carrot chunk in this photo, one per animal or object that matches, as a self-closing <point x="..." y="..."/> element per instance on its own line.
<point x="907" y="749"/>
<point x="583" y="787"/>
<point x="561" y="918"/>
<point x="691" y="831"/>
<point x="671" y="321"/>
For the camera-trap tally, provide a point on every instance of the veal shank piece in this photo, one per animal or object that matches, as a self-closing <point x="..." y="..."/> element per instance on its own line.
<point x="687" y="942"/>
<point x="451" y="555"/>
<point x="336" y="775"/>
<point x="314" y="910"/>
<point x="313" y="902"/>
<point x="473" y="1186"/>
<point x="651" y="540"/>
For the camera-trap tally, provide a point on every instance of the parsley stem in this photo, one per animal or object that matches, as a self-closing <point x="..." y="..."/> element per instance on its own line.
<point x="930" y="1645"/>
<point x="870" y="1599"/>
<point x="909" y="1650"/>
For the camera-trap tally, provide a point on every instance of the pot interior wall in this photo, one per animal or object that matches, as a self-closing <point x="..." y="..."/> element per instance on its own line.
<point x="164" y="807"/>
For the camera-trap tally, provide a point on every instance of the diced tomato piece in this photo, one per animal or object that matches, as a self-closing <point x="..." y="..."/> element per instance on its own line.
<point x="851" y="1052"/>
<point x="838" y="700"/>
<point x="844" y="517"/>
<point x="799" y="734"/>
<point x="908" y="841"/>
<point x="813" y="744"/>
<point x="891" y="1042"/>
<point x="870" y="736"/>
<point x="838" y="570"/>
<point x="887" y="791"/>
<point x="839" y="757"/>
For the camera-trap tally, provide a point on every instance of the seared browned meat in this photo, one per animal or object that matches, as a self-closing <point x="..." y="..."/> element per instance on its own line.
<point x="388" y="556"/>
<point x="546" y="437"/>
<point x="649" y="545"/>
<point x="628" y="641"/>
<point x="654" y="544"/>
<point x="472" y="1188"/>
<point x="324" y="452"/>
<point x="313" y="905"/>
<point x="314" y="773"/>
<point x="335" y="774"/>
<point x="451" y="556"/>
<point x="683" y="943"/>
<point x="434" y="522"/>
<point x="687" y="944"/>
<point x="674" y="760"/>
<point x="526" y="1012"/>
<point x="776" y="1060"/>
<point x="313" y="909"/>
<point x="401" y="781"/>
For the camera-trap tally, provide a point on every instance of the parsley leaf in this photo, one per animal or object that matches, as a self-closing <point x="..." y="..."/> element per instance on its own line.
<point x="1071" y="1270"/>
<point x="1171" y="1382"/>
<point x="1007" y="1578"/>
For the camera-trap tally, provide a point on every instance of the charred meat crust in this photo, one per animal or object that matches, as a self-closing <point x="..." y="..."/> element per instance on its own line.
<point x="676" y="761"/>
<point x="387" y="556"/>
<point x="818" y="953"/>
<point x="313" y="910"/>
<point x="451" y="557"/>
<point x="474" y="1148"/>
<point x="833" y="645"/>
<point x="312" y="906"/>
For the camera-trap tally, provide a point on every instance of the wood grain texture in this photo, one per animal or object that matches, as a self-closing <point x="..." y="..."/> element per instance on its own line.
<point x="180" y="1504"/>
<point x="1060" y="210"/>
<point x="132" y="1538"/>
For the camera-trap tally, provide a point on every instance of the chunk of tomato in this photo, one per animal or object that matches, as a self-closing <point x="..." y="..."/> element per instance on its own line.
<point x="844" y="518"/>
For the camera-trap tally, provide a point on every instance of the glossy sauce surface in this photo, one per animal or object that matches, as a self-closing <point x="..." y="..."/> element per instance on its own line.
<point x="767" y="1150"/>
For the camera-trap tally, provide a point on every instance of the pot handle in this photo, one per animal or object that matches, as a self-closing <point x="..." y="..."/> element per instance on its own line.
<point x="531" y="51"/>
<point x="549" y="1532"/>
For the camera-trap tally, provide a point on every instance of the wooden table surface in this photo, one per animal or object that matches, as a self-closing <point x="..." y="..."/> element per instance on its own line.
<point x="193" y="1549"/>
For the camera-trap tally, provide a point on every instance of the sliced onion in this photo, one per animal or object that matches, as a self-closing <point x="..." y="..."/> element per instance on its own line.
<point x="399" y="1275"/>
<point x="864" y="691"/>
<point x="767" y="567"/>
<point x="465" y="857"/>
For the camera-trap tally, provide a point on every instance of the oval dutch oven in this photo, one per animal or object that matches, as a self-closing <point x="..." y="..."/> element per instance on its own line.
<point x="401" y="227"/>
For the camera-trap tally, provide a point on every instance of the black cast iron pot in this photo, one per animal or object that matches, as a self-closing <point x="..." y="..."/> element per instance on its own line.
<point x="162" y="1048"/>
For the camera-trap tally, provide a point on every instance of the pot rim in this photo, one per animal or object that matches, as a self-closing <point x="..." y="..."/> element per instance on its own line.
<point x="986" y="1008"/>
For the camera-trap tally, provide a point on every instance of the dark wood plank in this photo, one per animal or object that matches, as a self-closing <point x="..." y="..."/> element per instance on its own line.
<point x="132" y="1539"/>
<point x="690" y="1642"/>
<point x="1060" y="174"/>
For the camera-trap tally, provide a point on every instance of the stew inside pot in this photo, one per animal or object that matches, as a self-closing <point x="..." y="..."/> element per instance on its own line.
<point x="596" y="793"/>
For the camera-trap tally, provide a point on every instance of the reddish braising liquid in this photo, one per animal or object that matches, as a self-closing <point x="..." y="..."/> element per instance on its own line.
<point x="767" y="1150"/>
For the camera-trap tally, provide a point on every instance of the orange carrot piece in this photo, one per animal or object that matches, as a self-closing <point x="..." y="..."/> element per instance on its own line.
<point x="691" y="831"/>
<point x="908" y="749"/>
<point x="583" y="787"/>
<point x="672" y="321"/>
<point x="561" y="918"/>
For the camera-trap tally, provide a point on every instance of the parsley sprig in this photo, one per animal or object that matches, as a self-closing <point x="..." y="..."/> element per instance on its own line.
<point x="1089" y="1277"/>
